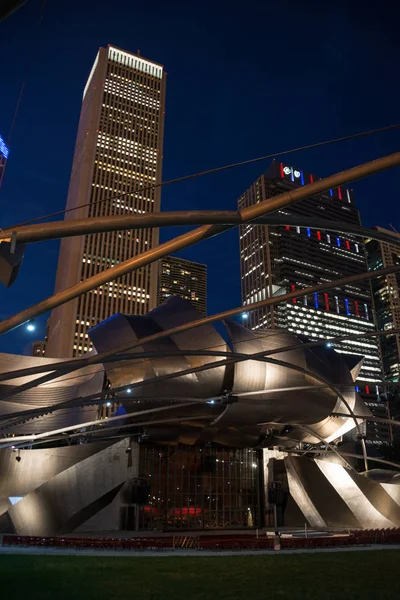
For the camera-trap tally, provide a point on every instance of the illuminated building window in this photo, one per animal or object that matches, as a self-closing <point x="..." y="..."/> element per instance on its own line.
<point x="326" y="302"/>
<point x="366" y="311"/>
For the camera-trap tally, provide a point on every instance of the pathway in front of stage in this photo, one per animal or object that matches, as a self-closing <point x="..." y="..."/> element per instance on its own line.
<point x="177" y="553"/>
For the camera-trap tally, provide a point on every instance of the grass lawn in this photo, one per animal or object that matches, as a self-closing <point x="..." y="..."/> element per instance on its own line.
<point x="342" y="575"/>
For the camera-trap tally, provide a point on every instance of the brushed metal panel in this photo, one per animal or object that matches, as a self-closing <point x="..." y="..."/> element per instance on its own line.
<point x="51" y="507"/>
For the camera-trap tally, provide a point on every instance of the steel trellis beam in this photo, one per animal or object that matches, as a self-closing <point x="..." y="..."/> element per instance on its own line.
<point x="90" y="225"/>
<point x="201" y="233"/>
<point x="236" y="357"/>
<point x="58" y="368"/>
<point x="240" y="357"/>
<point x="349" y="454"/>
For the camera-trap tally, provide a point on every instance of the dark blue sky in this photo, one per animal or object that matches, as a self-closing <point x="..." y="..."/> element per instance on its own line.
<point x="243" y="80"/>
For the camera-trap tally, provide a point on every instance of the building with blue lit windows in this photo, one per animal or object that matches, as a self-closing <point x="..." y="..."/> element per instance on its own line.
<point x="3" y="158"/>
<point x="276" y="260"/>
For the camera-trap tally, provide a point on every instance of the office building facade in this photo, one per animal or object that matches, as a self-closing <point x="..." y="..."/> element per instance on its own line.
<point x="183" y="278"/>
<point x="276" y="260"/>
<point x="39" y="348"/>
<point x="117" y="163"/>
<point x="3" y="158"/>
<point x="386" y="292"/>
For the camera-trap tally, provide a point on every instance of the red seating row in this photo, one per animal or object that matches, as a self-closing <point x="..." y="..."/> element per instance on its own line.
<point x="211" y="542"/>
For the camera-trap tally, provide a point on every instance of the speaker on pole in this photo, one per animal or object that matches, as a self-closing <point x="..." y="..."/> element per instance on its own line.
<point x="10" y="261"/>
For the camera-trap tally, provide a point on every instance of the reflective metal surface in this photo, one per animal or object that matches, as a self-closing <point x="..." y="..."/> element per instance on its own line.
<point x="62" y="389"/>
<point x="250" y="402"/>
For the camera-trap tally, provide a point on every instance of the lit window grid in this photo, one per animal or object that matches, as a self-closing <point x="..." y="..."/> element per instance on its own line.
<point x="386" y="293"/>
<point x="254" y="286"/>
<point x="183" y="278"/>
<point x="122" y="162"/>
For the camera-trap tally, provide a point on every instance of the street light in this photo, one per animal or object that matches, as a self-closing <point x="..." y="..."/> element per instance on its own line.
<point x="30" y="326"/>
<point x="245" y="315"/>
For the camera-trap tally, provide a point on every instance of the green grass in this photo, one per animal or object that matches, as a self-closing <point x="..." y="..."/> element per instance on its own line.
<point x="342" y="575"/>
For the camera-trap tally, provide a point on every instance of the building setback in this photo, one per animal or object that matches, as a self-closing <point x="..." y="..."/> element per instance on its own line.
<point x="183" y="278"/>
<point x="117" y="163"/>
<point x="279" y="259"/>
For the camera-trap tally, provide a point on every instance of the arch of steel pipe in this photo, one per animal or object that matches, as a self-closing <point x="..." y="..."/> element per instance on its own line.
<point x="79" y="363"/>
<point x="247" y="214"/>
<point x="8" y="443"/>
<point x="58" y="368"/>
<point x="348" y="454"/>
<point x="100" y="422"/>
<point x="234" y="354"/>
<point x="61" y="370"/>
<point x="373" y="418"/>
<point x="232" y="358"/>
<point x="82" y="402"/>
<point x="90" y="225"/>
<point x="329" y="444"/>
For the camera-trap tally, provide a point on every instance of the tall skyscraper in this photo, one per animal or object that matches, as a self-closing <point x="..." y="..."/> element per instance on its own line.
<point x="277" y="260"/>
<point x="117" y="161"/>
<point x="183" y="278"/>
<point x="386" y="291"/>
<point x="3" y="158"/>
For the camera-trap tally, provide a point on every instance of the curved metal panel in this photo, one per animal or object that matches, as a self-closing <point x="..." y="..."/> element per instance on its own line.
<point x="88" y="381"/>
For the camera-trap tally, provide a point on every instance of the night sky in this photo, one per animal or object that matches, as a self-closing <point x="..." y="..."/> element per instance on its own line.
<point x="244" y="80"/>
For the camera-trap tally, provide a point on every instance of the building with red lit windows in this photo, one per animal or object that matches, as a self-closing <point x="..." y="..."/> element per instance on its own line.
<point x="276" y="260"/>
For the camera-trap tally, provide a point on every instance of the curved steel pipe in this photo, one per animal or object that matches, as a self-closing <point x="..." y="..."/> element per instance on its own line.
<point x="64" y="367"/>
<point x="168" y="376"/>
<point x="69" y="228"/>
<point x="69" y="366"/>
<point x="58" y="437"/>
<point x="329" y="444"/>
<point x="349" y="454"/>
<point x="247" y="214"/>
